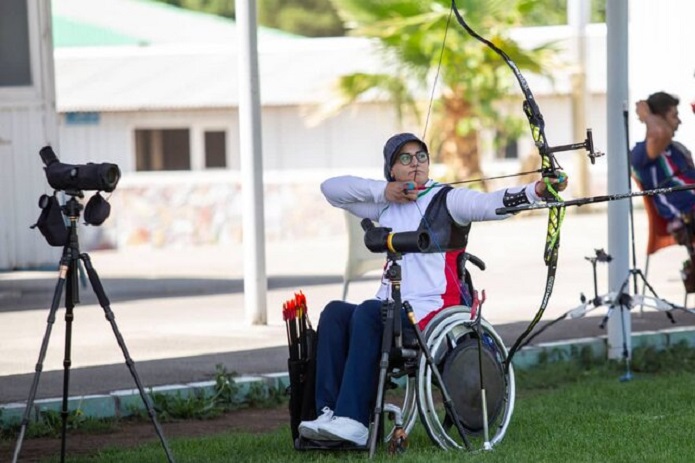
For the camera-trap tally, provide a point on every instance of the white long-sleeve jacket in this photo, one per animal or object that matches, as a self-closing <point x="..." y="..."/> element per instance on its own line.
<point x="426" y="278"/>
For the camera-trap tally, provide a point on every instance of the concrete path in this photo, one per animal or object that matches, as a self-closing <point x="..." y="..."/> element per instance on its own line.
<point x="181" y="311"/>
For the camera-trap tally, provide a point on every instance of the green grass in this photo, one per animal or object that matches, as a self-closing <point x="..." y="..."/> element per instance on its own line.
<point x="575" y="411"/>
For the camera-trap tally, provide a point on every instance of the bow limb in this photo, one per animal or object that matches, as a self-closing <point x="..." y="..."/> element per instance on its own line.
<point x="549" y="167"/>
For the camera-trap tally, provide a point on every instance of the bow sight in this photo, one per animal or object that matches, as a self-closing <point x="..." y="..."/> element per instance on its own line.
<point x="587" y="144"/>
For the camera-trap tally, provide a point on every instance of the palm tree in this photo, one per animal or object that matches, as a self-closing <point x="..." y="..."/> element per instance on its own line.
<point x="426" y="45"/>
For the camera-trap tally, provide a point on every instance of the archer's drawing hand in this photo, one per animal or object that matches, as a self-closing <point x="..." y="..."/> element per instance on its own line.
<point x="400" y="192"/>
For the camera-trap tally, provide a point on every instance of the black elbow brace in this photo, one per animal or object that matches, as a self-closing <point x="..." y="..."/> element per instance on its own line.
<point x="515" y="199"/>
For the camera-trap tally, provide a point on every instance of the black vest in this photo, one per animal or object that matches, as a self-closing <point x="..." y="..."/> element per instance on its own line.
<point x="445" y="234"/>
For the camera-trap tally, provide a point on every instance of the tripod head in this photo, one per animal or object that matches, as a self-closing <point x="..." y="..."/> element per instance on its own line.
<point x="72" y="179"/>
<point x="601" y="256"/>
<point x="52" y="224"/>
<point x="380" y="239"/>
<point x="72" y="206"/>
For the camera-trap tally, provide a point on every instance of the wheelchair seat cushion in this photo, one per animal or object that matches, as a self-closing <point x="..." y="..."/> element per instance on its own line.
<point x="461" y="375"/>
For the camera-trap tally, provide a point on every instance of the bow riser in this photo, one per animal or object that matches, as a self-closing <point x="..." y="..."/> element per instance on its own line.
<point x="549" y="168"/>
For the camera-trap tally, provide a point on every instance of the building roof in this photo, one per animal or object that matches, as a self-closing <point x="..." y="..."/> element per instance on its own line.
<point x="125" y="55"/>
<point x="127" y="78"/>
<point x="128" y="55"/>
<point x="68" y="32"/>
<point x="140" y="22"/>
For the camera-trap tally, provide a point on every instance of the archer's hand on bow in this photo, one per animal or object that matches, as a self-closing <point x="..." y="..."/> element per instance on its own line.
<point x="558" y="184"/>
<point x="401" y="192"/>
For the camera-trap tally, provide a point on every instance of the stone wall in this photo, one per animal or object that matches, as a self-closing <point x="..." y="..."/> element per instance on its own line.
<point x="203" y="209"/>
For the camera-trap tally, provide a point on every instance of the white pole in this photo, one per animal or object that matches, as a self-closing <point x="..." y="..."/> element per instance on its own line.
<point x="578" y="15"/>
<point x="619" y="326"/>
<point x="253" y="226"/>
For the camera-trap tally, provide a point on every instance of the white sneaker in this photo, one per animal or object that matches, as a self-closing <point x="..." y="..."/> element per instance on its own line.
<point x="310" y="429"/>
<point x="347" y="429"/>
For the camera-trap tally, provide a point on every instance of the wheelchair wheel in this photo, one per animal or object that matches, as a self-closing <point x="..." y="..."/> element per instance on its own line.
<point x="454" y="347"/>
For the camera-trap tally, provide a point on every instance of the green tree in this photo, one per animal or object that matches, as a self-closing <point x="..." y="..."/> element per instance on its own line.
<point x="218" y="7"/>
<point x="554" y="12"/>
<point x="312" y="18"/>
<point x="471" y="80"/>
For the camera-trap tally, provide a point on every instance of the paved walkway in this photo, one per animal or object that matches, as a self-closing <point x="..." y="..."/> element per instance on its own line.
<point x="181" y="311"/>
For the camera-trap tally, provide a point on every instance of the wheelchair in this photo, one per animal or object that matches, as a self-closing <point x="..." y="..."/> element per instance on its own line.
<point x="462" y="348"/>
<point x="458" y="384"/>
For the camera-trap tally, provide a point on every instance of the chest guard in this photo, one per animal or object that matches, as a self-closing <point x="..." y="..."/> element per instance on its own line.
<point x="445" y="233"/>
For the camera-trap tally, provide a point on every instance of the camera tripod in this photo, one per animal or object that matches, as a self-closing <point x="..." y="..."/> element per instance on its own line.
<point x="620" y="300"/>
<point x="68" y="281"/>
<point x="392" y="337"/>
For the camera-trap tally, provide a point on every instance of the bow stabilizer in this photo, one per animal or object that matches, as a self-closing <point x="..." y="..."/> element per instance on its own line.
<point x="593" y="199"/>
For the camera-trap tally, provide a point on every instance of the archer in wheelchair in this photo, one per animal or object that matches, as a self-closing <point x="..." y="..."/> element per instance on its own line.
<point x="426" y="295"/>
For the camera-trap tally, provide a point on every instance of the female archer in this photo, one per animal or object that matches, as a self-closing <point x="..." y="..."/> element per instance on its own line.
<point x="349" y="335"/>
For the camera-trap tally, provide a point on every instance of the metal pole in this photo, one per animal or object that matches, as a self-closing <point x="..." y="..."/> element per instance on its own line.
<point x="578" y="12"/>
<point x="618" y="211"/>
<point x="255" y="278"/>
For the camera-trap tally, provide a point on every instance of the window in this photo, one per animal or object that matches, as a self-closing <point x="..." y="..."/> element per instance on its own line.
<point x="15" y="59"/>
<point x="215" y="149"/>
<point x="506" y="147"/>
<point x="162" y="149"/>
<point x="510" y="150"/>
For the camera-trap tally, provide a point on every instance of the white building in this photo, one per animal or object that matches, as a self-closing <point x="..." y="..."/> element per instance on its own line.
<point x="27" y="123"/>
<point x="156" y="93"/>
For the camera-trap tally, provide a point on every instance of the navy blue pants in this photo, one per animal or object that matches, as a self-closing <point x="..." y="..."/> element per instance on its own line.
<point x="347" y="357"/>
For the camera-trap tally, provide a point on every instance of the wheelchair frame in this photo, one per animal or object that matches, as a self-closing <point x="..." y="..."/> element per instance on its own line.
<point x="422" y="367"/>
<point x="443" y="334"/>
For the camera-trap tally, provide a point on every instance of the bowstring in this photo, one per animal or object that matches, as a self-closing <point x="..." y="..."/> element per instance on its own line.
<point x="436" y="76"/>
<point x="447" y="268"/>
<point x="461" y="182"/>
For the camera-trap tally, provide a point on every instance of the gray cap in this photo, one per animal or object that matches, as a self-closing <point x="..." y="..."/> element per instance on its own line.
<point x="391" y="148"/>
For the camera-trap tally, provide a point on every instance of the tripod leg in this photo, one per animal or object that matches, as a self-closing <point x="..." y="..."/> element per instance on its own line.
<point x="626" y="354"/>
<point x="644" y="280"/>
<point x="623" y="299"/>
<point x="386" y="342"/>
<point x="645" y="286"/>
<point x="71" y="297"/>
<point x="60" y="285"/>
<point x="106" y="305"/>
